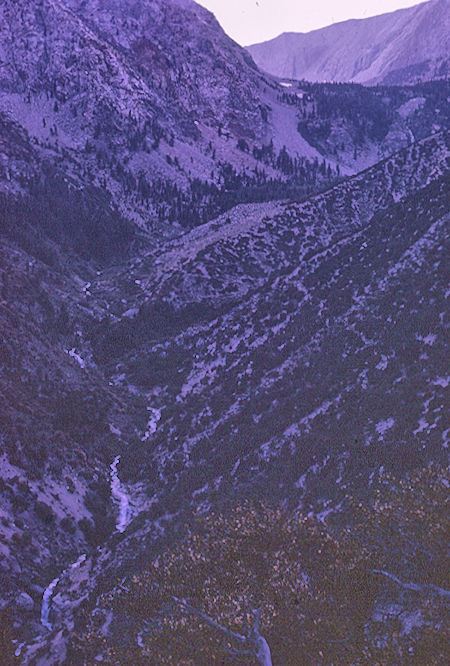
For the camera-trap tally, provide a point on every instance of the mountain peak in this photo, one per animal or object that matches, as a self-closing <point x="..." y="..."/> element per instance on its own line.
<point x="403" y="46"/>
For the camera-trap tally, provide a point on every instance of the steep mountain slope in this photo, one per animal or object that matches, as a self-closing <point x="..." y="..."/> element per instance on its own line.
<point x="146" y="373"/>
<point x="357" y="126"/>
<point x="289" y="351"/>
<point x="150" y="99"/>
<point x="153" y="105"/>
<point x="300" y="318"/>
<point x="401" y="47"/>
<point x="56" y="443"/>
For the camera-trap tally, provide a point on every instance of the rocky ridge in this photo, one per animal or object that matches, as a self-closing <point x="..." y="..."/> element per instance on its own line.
<point x="401" y="47"/>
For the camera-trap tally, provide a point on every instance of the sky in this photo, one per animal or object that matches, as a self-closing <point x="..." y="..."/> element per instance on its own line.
<point x="251" y="21"/>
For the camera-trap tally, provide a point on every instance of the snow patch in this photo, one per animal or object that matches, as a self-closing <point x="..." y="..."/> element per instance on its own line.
<point x="114" y="430"/>
<point x="429" y="339"/>
<point x="382" y="365"/>
<point x="131" y="313"/>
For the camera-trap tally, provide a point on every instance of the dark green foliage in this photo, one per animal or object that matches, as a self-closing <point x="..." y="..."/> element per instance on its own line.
<point x="317" y="587"/>
<point x="44" y="511"/>
<point x="367" y="113"/>
<point x="68" y="525"/>
<point x="76" y="409"/>
<point x="87" y="527"/>
<point x="154" y="321"/>
<point x="82" y="221"/>
<point x="158" y="369"/>
<point x="204" y="200"/>
<point x="6" y="637"/>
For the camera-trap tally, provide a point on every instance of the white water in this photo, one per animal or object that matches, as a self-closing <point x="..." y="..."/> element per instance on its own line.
<point x="49" y="590"/>
<point x="74" y="354"/>
<point x="152" y="424"/>
<point x="120" y="495"/>
<point x="46" y="603"/>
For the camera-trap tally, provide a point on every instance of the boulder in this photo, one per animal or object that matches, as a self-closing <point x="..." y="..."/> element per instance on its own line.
<point x="25" y="602"/>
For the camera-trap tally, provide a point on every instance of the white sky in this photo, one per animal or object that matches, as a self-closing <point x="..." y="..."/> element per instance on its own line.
<point x="250" y="21"/>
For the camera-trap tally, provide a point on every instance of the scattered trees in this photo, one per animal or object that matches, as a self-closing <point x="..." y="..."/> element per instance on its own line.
<point x="259" y="578"/>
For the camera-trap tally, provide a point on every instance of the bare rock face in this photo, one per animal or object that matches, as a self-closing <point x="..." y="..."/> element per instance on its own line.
<point x="184" y="57"/>
<point x="405" y="46"/>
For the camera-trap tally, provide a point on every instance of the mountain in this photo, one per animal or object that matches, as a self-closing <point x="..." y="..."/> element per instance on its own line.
<point x="278" y="352"/>
<point x="356" y="126"/>
<point x="201" y="300"/>
<point x="404" y="46"/>
<point x="149" y="101"/>
<point x="153" y="105"/>
<point x="302" y="322"/>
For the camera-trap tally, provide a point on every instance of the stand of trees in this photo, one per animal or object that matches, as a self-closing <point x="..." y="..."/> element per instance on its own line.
<point x="80" y="220"/>
<point x="367" y="113"/>
<point x="203" y="200"/>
